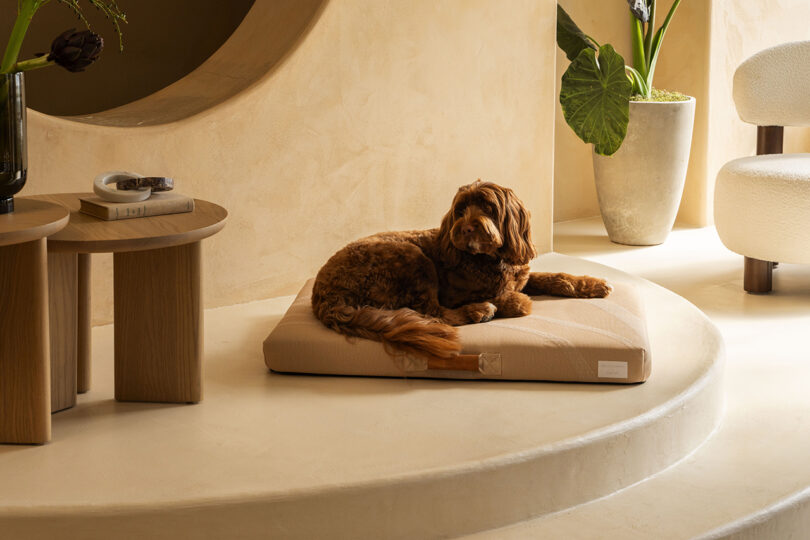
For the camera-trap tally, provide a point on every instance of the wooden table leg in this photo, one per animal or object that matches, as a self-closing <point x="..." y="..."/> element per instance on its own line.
<point x="84" y="323"/>
<point x="757" y="276"/>
<point x="25" y="396"/>
<point x="158" y="325"/>
<point x="63" y="299"/>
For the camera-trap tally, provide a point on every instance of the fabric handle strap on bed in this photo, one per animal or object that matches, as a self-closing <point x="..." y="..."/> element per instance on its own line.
<point x="484" y="363"/>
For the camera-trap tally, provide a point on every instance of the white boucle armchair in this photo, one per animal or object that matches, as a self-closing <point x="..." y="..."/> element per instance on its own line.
<point x="762" y="202"/>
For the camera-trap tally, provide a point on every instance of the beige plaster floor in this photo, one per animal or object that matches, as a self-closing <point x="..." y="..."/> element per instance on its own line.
<point x="752" y="478"/>
<point x="268" y="455"/>
<point x="296" y="456"/>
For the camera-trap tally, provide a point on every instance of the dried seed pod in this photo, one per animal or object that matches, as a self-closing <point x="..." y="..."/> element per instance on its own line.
<point x="74" y="50"/>
<point x="640" y="10"/>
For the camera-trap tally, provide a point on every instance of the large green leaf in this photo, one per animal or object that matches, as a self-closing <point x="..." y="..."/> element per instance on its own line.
<point x="595" y="98"/>
<point x="570" y="38"/>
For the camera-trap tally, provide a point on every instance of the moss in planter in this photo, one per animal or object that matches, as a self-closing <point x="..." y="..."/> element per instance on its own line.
<point x="661" y="96"/>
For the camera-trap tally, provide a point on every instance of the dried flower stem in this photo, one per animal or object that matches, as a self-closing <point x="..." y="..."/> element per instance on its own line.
<point x="110" y="10"/>
<point x="25" y="12"/>
<point x="33" y="63"/>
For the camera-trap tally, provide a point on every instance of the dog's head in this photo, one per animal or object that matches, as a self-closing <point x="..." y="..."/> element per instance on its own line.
<point x="486" y="218"/>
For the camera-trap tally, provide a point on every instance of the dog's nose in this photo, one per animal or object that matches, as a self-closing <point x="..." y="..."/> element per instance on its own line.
<point x="468" y="229"/>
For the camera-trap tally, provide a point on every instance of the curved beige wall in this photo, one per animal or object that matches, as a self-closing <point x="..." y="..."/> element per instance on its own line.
<point x="382" y="111"/>
<point x="705" y="43"/>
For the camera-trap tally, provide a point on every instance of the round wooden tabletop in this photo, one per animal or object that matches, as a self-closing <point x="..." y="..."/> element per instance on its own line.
<point x="88" y="234"/>
<point x="31" y="220"/>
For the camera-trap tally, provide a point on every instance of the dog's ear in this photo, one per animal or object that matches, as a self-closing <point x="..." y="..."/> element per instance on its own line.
<point x="449" y="252"/>
<point x="517" y="248"/>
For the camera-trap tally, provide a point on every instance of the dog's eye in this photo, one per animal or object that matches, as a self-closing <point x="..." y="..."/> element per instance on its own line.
<point x="459" y="211"/>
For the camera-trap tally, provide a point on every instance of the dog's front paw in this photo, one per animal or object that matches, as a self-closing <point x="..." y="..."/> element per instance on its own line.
<point x="480" y="312"/>
<point x="591" y="287"/>
<point x="513" y="304"/>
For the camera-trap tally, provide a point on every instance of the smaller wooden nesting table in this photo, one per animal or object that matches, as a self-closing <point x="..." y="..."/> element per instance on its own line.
<point x="25" y="403"/>
<point x="157" y="301"/>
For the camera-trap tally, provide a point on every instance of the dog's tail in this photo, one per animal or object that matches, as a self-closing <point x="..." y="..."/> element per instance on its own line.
<point x="400" y="330"/>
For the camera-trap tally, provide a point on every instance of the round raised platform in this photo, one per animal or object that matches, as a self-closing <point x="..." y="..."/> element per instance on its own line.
<point x="268" y="455"/>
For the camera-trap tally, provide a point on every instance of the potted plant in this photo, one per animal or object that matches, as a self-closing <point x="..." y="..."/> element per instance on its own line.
<point x="73" y="50"/>
<point x="641" y="136"/>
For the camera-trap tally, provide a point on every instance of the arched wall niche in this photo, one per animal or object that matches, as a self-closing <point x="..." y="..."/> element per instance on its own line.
<point x="163" y="42"/>
<point x="180" y="57"/>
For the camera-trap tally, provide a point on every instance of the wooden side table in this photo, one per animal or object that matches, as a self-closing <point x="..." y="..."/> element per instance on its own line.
<point x="25" y="408"/>
<point x="158" y="301"/>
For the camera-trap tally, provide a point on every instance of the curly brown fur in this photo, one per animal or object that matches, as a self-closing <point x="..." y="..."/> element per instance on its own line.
<point x="408" y="289"/>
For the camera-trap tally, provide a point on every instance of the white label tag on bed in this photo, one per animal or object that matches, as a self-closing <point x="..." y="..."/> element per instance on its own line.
<point x="612" y="370"/>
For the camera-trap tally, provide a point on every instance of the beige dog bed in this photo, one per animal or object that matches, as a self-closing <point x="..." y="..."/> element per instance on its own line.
<point x="564" y="339"/>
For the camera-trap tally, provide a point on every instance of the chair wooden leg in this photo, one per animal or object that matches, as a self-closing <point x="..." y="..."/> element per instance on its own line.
<point x="758" y="276"/>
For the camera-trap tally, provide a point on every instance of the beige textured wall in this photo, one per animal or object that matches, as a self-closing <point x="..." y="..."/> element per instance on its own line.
<point x="685" y="66"/>
<point x="705" y="43"/>
<point x="384" y="109"/>
<point x="740" y="29"/>
<point x="574" y="192"/>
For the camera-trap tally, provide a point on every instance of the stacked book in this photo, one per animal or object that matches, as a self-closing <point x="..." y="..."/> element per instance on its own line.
<point x="157" y="204"/>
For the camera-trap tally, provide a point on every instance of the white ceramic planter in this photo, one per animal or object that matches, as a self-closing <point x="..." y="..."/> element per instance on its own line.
<point x="640" y="186"/>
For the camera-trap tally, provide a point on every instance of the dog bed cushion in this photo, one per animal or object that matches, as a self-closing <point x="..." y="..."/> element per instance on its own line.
<point x="564" y="339"/>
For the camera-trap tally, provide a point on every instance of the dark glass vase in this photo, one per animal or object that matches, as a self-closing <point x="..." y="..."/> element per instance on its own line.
<point x="13" y="139"/>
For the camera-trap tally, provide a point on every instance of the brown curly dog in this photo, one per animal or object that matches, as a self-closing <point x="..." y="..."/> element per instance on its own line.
<point x="408" y="289"/>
